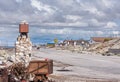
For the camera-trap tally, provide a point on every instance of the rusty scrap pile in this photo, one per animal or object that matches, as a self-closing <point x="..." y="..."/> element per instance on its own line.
<point x="17" y="72"/>
<point x="36" y="70"/>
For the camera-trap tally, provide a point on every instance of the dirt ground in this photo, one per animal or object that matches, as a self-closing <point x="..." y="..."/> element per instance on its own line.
<point x="66" y="75"/>
<point x="81" y="67"/>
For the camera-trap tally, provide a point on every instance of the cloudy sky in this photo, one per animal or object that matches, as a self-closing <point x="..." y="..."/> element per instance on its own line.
<point x="61" y="18"/>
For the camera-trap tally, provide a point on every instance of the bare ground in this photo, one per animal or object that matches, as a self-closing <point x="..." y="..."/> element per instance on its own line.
<point x="81" y="67"/>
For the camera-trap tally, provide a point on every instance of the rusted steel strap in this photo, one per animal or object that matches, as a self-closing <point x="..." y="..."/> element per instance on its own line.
<point x="38" y="68"/>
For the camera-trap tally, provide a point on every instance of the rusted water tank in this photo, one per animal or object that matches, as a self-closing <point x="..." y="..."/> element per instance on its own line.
<point x="23" y="27"/>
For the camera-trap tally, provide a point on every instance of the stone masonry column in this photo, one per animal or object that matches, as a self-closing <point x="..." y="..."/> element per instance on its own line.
<point x="23" y="45"/>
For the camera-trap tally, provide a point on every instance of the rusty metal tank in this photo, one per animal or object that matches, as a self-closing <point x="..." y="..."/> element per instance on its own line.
<point x="23" y="27"/>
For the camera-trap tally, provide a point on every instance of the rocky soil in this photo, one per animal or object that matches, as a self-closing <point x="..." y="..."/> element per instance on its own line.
<point x="81" y="67"/>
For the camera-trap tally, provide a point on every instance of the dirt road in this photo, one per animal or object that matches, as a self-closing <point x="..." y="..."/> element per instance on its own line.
<point x="78" y="67"/>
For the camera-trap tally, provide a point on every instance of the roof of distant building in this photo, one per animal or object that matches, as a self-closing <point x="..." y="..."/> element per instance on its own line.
<point x="101" y="39"/>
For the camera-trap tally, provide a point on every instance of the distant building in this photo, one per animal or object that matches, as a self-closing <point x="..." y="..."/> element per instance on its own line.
<point x="69" y="42"/>
<point x="100" y="39"/>
<point x="50" y="45"/>
<point x="82" y="43"/>
<point x="61" y="44"/>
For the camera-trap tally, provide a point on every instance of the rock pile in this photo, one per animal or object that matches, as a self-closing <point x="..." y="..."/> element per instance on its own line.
<point x="23" y="49"/>
<point x="104" y="48"/>
<point x="3" y="55"/>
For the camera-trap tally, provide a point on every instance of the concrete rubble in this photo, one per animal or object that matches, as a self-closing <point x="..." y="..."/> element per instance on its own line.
<point x="103" y="48"/>
<point x="3" y="56"/>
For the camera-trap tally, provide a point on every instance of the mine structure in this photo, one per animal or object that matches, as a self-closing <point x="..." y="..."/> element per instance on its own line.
<point x="23" y="68"/>
<point x="23" y="45"/>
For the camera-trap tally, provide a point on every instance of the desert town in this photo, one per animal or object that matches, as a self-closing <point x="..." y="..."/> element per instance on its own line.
<point x="59" y="40"/>
<point x="96" y="60"/>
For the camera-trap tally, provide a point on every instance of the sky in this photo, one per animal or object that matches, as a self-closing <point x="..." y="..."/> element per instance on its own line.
<point x="62" y="19"/>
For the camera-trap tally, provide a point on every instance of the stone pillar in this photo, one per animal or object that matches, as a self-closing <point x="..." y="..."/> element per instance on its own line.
<point x="23" y="45"/>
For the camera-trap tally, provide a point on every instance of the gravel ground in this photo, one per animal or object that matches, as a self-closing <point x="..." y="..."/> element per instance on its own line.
<point x="81" y="67"/>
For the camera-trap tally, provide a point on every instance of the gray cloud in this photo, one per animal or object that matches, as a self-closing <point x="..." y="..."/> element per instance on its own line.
<point x="49" y="19"/>
<point x="88" y="13"/>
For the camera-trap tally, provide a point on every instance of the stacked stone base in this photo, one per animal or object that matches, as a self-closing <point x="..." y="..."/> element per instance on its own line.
<point x="23" y="49"/>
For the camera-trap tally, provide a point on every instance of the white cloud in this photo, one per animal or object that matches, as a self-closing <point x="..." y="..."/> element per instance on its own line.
<point x="42" y="7"/>
<point x="99" y="32"/>
<point x="111" y="25"/>
<point x="66" y="2"/>
<point x="95" y="22"/>
<point x="19" y="1"/>
<point x="73" y="18"/>
<point x="78" y="24"/>
<point x="55" y="31"/>
<point x="91" y="9"/>
<point x="78" y="1"/>
<point x="115" y="32"/>
<point x="108" y="3"/>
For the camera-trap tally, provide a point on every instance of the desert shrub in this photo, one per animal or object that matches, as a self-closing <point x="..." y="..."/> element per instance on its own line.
<point x="107" y="39"/>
